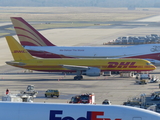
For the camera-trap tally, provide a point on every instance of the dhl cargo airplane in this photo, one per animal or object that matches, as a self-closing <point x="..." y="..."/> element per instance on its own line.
<point x="39" y="46"/>
<point x="90" y="67"/>
<point x="49" y="111"/>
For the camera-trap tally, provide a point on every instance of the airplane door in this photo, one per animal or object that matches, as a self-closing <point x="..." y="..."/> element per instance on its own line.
<point x="137" y="118"/>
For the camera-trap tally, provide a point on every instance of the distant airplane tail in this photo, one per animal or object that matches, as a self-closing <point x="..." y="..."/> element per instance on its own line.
<point x="18" y="52"/>
<point x="27" y="35"/>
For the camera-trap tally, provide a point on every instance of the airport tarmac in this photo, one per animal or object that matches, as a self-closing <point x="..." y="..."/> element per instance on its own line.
<point x="114" y="88"/>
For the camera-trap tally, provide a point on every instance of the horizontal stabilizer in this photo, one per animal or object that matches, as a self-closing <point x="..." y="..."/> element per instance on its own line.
<point x="15" y="63"/>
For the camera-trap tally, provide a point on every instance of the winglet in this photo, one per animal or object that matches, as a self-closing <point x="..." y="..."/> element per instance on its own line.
<point x="27" y="35"/>
<point x="18" y="52"/>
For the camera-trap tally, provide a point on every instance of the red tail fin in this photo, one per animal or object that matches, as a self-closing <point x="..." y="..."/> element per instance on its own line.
<point x="27" y="35"/>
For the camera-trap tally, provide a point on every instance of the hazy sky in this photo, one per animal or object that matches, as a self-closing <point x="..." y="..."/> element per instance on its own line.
<point x="82" y="3"/>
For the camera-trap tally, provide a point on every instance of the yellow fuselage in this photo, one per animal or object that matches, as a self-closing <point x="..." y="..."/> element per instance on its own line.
<point x="55" y="65"/>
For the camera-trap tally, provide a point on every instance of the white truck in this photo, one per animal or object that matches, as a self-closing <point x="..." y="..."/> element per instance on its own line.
<point x="143" y="76"/>
<point x="30" y="91"/>
<point x="21" y="96"/>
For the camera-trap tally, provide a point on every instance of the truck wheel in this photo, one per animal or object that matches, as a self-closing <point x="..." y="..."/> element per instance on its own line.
<point x="52" y="95"/>
<point x="45" y="95"/>
<point x="57" y="96"/>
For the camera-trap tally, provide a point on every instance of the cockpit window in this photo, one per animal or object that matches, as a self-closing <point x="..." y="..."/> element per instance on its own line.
<point x="149" y="63"/>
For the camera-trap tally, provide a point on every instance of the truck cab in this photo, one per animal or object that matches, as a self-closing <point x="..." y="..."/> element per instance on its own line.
<point x="83" y="98"/>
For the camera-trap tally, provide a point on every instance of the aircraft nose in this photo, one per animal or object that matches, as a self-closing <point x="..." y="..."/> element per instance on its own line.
<point x="153" y="67"/>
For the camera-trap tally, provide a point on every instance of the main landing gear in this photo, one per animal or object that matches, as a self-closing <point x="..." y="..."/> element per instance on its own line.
<point x="78" y="77"/>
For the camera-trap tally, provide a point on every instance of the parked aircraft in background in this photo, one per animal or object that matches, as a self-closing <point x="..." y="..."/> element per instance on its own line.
<point x="49" y="111"/>
<point x="39" y="46"/>
<point x="90" y="67"/>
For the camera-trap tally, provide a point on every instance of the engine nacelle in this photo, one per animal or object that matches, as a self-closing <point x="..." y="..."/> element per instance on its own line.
<point x="92" y="71"/>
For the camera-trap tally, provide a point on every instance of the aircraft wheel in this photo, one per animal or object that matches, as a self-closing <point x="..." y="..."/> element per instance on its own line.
<point x="75" y="78"/>
<point x="80" y="77"/>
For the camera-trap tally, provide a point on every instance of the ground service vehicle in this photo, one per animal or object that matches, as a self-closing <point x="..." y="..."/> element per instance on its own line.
<point x="141" y="82"/>
<point x="143" y="76"/>
<point x="106" y="102"/>
<point x="51" y="93"/>
<point x="30" y="91"/>
<point x="49" y="111"/>
<point x="84" y="98"/>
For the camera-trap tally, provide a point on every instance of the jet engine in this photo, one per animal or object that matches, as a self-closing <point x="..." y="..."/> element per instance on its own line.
<point x="92" y="71"/>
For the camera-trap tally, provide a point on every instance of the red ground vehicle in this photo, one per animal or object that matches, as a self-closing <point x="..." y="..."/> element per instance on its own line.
<point x="84" y="99"/>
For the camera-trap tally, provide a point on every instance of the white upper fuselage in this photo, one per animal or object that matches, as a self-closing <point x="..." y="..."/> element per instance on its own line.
<point x="101" y="52"/>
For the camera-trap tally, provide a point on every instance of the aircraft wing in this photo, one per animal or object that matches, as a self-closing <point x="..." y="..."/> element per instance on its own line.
<point x="74" y="67"/>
